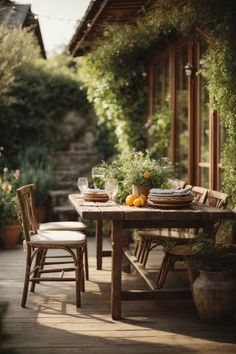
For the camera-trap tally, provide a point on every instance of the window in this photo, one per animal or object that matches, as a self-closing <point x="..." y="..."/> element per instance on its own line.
<point x="195" y="135"/>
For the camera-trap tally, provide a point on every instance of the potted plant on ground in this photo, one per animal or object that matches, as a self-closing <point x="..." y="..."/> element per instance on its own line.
<point x="10" y="228"/>
<point x="214" y="290"/>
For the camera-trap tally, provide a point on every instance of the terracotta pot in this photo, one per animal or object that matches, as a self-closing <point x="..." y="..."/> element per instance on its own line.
<point x="10" y="235"/>
<point x="214" y="296"/>
<point x="141" y="190"/>
<point x="41" y="214"/>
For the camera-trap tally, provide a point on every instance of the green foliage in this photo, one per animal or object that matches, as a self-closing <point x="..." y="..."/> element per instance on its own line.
<point x="17" y="50"/>
<point x="114" y="74"/>
<point x="9" y="207"/>
<point x="36" y="95"/>
<point x="36" y="166"/>
<point x="220" y="73"/>
<point x="212" y="257"/>
<point x="42" y="97"/>
<point x="137" y="168"/>
<point x="159" y="132"/>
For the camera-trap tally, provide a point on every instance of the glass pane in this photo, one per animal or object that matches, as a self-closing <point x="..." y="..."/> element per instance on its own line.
<point x="222" y="133"/>
<point x="222" y="137"/>
<point x="161" y="128"/>
<point x="167" y="83"/>
<point x="204" y="122"/>
<point x="204" y="148"/>
<point x="181" y="114"/>
<point x="158" y="87"/>
<point x="204" y="177"/>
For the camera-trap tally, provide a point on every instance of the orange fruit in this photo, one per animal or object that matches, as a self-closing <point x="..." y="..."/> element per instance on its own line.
<point x="142" y="201"/>
<point x="138" y="202"/>
<point x="130" y="199"/>
<point x="143" y="196"/>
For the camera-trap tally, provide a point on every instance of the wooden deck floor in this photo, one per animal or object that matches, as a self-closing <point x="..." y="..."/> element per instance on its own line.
<point x="51" y="324"/>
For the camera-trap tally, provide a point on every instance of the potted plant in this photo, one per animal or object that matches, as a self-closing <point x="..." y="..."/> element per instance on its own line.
<point x="138" y="172"/>
<point x="143" y="172"/>
<point x="214" y="290"/>
<point x="10" y="228"/>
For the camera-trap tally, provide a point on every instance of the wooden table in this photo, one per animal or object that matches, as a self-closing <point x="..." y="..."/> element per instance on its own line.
<point x="122" y="216"/>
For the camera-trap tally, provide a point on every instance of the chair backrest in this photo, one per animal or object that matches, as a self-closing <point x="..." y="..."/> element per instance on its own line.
<point x="25" y="196"/>
<point x="200" y="194"/>
<point x="217" y="200"/>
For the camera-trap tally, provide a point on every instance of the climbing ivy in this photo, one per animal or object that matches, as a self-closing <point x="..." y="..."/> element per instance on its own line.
<point x="115" y="73"/>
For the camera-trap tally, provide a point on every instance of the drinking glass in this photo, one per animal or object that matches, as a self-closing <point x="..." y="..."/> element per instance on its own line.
<point x="111" y="187"/>
<point x="98" y="177"/>
<point x="82" y="184"/>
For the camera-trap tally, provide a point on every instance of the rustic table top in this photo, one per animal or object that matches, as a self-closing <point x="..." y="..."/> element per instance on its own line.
<point x="113" y="211"/>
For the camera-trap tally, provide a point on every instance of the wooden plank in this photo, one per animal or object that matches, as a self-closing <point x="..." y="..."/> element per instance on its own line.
<point x="132" y="295"/>
<point x="154" y="326"/>
<point x="140" y="269"/>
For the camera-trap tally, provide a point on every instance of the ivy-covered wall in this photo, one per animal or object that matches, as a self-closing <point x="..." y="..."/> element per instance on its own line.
<point x="115" y="73"/>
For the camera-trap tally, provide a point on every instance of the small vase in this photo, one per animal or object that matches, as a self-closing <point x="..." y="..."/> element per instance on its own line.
<point x="10" y="235"/>
<point x="214" y="296"/>
<point x="141" y="190"/>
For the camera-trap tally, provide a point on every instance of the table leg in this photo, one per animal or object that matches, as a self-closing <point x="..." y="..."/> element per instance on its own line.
<point x="98" y="237"/>
<point x="209" y="229"/>
<point x="116" y="269"/>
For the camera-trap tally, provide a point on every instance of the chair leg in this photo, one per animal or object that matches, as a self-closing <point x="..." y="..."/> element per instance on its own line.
<point x="139" y="249"/>
<point x="147" y="250"/>
<point x="79" y="262"/>
<point x="144" y="247"/>
<point x="86" y="261"/>
<point x="167" y="262"/>
<point x="36" y="273"/>
<point x="27" y="279"/>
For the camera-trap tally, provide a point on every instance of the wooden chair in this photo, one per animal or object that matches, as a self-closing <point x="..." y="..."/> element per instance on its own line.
<point x="182" y="252"/>
<point x="37" y="244"/>
<point x="151" y="238"/>
<point x="62" y="226"/>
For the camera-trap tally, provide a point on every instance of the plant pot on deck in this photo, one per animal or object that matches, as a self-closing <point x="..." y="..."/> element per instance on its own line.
<point x="214" y="295"/>
<point x="10" y="235"/>
<point x="138" y="190"/>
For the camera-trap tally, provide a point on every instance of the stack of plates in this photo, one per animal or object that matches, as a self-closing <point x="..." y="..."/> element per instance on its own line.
<point x="170" y="199"/>
<point x="96" y="195"/>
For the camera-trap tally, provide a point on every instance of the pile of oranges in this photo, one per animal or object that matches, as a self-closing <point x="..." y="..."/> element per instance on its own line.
<point x="133" y="199"/>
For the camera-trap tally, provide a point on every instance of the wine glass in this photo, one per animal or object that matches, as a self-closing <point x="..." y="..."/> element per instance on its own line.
<point x="97" y="177"/>
<point x="111" y="187"/>
<point x="82" y="184"/>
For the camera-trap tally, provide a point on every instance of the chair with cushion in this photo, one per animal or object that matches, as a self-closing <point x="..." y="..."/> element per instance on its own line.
<point x="151" y="238"/>
<point x="37" y="244"/>
<point x="182" y="252"/>
<point x="63" y="226"/>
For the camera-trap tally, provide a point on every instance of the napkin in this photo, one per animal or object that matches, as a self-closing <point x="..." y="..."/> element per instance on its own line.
<point x="171" y="192"/>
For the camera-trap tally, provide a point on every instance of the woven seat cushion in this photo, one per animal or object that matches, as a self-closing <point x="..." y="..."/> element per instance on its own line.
<point x="63" y="225"/>
<point x="58" y="238"/>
